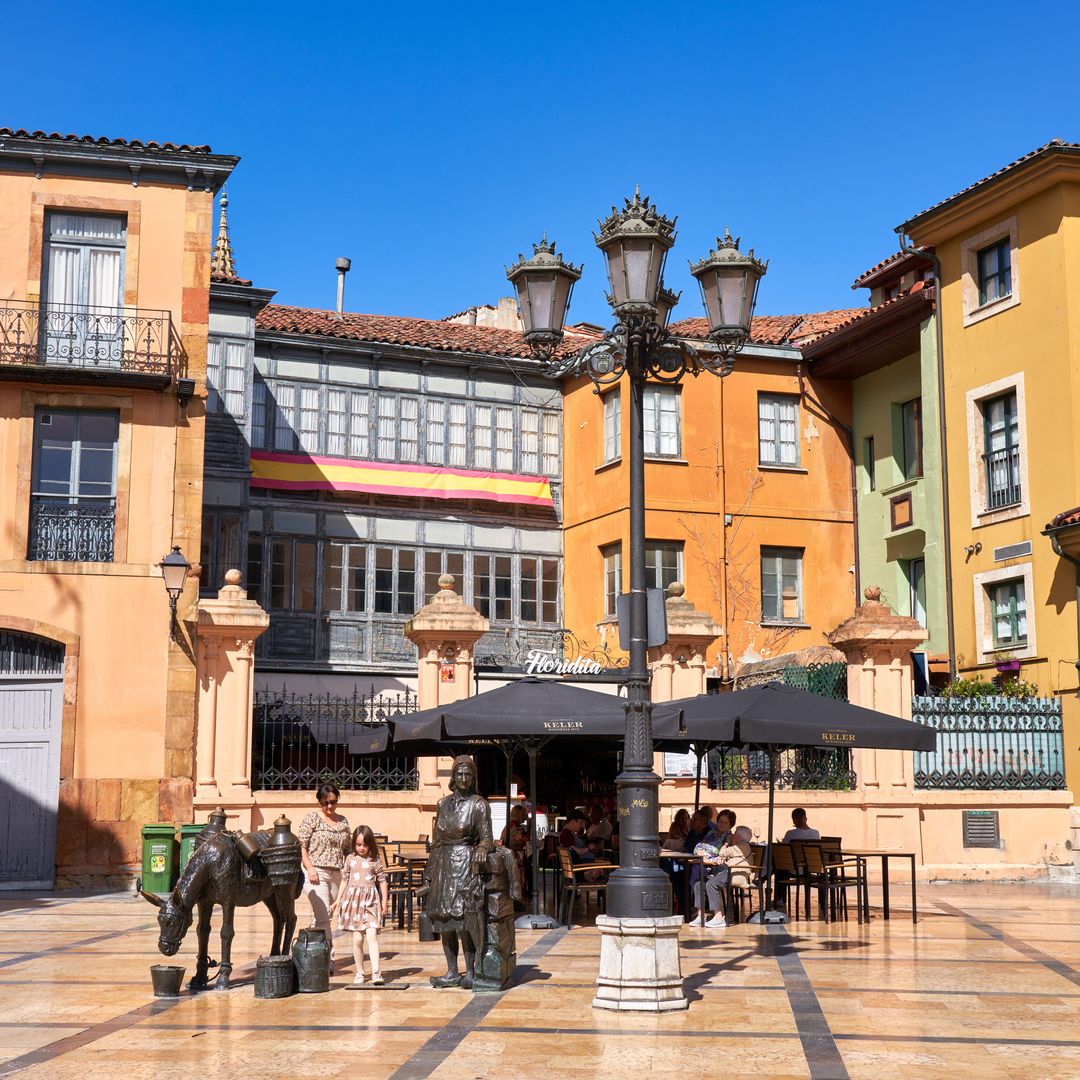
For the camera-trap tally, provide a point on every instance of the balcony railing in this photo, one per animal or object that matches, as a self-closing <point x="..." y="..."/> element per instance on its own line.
<point x="64" y="529"/>
<point x="1002" y="477"/>
<point x="99" y="339"/>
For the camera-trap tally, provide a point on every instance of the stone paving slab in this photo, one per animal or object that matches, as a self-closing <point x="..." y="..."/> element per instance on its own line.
<point x="986" y="984"/>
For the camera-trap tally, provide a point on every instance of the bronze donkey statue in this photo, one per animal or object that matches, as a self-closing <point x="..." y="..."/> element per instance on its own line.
<point x="216" y="874"/>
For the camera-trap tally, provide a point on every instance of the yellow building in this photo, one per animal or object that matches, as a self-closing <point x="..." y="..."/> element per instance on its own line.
<point x="1009" y="253"/>
<point x="105" y="274"/>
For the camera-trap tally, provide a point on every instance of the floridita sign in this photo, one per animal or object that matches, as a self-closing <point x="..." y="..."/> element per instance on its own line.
<point x="543" y="662"/>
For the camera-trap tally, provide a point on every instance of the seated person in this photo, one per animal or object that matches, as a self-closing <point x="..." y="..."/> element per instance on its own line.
<point x="723" y="861"/>
<point x="573" y="839"/>
<point x="725" y="823"/>
<point x="599" y="831"/>
<point x="680" y="826"/>
<point x="701" y="830"/>
<point x="801" y="830"/>
<point x="515" y="838"/>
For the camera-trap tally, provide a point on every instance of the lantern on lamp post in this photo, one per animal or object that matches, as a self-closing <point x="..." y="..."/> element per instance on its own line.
<point x="543" y="284"/>
<point x="174" y="571"/>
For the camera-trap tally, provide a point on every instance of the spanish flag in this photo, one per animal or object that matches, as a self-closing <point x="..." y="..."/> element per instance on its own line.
<point x="305" y="472"/>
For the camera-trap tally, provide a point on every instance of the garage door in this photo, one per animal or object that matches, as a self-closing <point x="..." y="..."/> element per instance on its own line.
<point x="30" y="721"/>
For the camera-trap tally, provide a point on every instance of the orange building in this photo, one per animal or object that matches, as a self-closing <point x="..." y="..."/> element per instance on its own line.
<point x="105" y="271"/>
<point x="748" y="491"/>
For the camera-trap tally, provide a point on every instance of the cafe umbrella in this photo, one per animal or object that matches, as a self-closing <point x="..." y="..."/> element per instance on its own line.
<point x="523" y="715"/>
<point x="774" y="717"/>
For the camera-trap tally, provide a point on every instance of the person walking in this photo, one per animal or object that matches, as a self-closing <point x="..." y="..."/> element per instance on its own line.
<point x="362" y="903"/>
<point x="324" y="843"/>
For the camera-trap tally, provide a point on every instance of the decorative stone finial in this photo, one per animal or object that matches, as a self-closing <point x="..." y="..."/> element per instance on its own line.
<point x="221" y="262"/>
<point x="233" y="577"/>
<point x="676" y="588"/>
<point x="446" y="581"/>
<point x="872" y="594"/>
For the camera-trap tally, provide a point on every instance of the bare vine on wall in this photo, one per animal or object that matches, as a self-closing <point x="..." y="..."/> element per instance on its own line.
<point x="743" y="581"/>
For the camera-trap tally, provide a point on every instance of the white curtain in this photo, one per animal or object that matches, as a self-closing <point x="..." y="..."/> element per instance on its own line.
<point x="63" y="275"/>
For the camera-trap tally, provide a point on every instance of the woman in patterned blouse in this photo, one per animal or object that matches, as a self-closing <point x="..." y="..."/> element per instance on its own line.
<point x="325" y="840"/>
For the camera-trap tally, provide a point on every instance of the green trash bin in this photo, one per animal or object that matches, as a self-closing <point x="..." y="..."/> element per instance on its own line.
<point x="187" y="842"/>
<point x="159" y="851"/>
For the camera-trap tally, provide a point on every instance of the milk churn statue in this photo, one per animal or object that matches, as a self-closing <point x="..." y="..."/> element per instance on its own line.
<point x="460" y="845"/>
<point x="498" y="956"/>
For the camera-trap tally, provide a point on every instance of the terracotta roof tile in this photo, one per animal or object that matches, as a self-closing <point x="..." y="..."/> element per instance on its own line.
<point x="400" y="330"/>
<point x="1053" y="146"/>
<point x="229" y="279"/>
<point x="869" y="277"/>
<point x="825" y="330"/>
<point x="772" y="329"/>
<point x="131" y="144"/>
<point x="1066" y="517"/>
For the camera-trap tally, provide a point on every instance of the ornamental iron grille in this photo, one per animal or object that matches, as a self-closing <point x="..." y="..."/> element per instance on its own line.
<point x="300" y="742"/>
<point x="26" y="654"/>
<point x="71" y="529"/>
<point x="804" y="769"/>
<point x="992" y="743"/>
<point x="512" y="647"/>
<point x="129" y="340"/>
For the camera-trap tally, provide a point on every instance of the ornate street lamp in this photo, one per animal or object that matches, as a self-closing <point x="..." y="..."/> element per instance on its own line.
<point x="174" y="572"/>
<point x="635" y="241"/>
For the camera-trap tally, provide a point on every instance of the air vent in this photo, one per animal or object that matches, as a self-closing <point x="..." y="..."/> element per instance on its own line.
<point x="981" y="829"/>
<point x="1012" y="551"/>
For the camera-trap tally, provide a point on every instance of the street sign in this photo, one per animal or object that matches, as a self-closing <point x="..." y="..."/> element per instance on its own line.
<point x="655" y="601"/>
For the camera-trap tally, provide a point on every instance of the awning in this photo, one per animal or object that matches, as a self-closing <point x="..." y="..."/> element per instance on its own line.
<point x="306" y="472"/>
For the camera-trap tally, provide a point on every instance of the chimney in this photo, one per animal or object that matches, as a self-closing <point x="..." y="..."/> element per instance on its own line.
<point x="343" y="266"/>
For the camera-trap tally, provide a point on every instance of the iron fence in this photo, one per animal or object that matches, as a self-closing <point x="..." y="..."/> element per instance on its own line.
<point x="71" y="529"/>
<point x="299" y="742"/>
<point x="1002" y="468"/>
<point x="808" y="769"/>
<point x="100" y="338"/>
<point x="992" y="743"/>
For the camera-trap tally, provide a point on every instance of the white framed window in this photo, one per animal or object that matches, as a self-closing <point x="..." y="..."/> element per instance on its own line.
<point x="612" y="555"/>
<point x="387" y="430"/>
<point x="410" y="435"/>
<point x="436" y="432"/>
<point x="778" y="429"/>
<point x="226" y="368"/>
<point x="284" y="417"/>
<point x="663" y="563"/>
<point x="359" y="422"/>
<point x="549" y="443"/>
<point x="482" y="436"/>
<point x="530" y="442"/>
<point x="504" y="439"/>
<point x="458" y="435"/>
<point x="990" y="271"/>
<point x="1002" y="622"/>
<point x="662" y="426"/>
<point x="259" y="433"/>
<point x="781" y="585"/>
<point x="612" y="426"/>
<point x="998" y="460"/>
<point x="344" y="577"/>
<point x="309" y="419"/>
<point x="337" y="423"/>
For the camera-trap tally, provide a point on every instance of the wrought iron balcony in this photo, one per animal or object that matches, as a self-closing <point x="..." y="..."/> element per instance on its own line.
<point x="68" y="529"/>
<point x="1002" y="477"/>
<point x="59" y="341"/>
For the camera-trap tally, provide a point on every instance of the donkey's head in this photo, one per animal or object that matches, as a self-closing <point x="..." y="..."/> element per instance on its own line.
<point x="173" y="920"/>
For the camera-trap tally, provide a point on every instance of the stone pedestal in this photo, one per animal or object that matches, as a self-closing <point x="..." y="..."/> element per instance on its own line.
<point x="639" y="965"/>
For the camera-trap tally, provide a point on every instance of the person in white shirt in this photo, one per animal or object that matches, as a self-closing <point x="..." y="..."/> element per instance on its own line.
<point x="801" y="831"/>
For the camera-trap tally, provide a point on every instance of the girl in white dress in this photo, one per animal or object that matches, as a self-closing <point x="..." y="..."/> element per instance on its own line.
<point x="362" y="904"/>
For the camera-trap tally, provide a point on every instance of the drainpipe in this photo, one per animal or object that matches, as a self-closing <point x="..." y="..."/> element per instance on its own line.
<point x="946" y="537"/>
<point x="850" y="432"/>
<point x="1062" y="554"/>
<point x="725" y="652"/>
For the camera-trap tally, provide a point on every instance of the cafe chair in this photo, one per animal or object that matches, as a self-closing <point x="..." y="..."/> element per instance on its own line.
<point x="831" y="874"/>
<point x="744" y="882"/>
<point x="574" y="883"/>
<point x="785" y="861"/>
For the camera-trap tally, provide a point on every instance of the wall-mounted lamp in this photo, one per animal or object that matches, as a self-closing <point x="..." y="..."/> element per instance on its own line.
<point x="174" y="572"/>
<point x="972" y="549"/>
<point x="185" y="391"/>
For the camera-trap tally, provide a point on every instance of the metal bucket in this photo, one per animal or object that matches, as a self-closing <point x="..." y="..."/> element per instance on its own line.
<point x="311" y="954"/>
<point x="167" y="979"/>
<point x="249" y="844"/>
<point x="275" y="977"/>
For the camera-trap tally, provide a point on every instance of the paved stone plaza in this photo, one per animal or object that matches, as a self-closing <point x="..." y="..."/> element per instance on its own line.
<point x="986" y="985"/>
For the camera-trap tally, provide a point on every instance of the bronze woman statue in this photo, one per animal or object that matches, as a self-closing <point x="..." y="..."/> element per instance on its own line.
<point x="460" y="844"/>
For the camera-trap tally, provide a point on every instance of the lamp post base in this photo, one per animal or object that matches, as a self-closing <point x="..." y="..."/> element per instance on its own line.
<point x="640" y="969"/>
<point x="533" y="921"/>
<point x="769" y="916"/>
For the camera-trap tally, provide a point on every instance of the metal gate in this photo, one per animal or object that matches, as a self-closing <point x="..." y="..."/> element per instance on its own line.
<point x="31" y="700"/>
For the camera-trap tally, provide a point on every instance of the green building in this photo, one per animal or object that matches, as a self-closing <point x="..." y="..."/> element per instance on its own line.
<point x="889" y="353"/>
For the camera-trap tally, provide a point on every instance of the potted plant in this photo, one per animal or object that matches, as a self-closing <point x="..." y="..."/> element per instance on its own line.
<point x="1007" y="663"/>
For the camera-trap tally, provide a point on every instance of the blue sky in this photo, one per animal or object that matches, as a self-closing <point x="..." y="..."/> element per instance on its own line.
<point x="448" y="137"/>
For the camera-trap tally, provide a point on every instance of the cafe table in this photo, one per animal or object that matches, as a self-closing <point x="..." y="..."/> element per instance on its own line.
<point x="690" y="860"/>
<point x="885" y="856"/>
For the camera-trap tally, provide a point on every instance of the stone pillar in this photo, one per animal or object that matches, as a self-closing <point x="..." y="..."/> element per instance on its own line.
<point x="444" y="631"/>
<point x="678" y="667"/>
<point x="877" y="644"/>
<point x="228" y="628"/>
